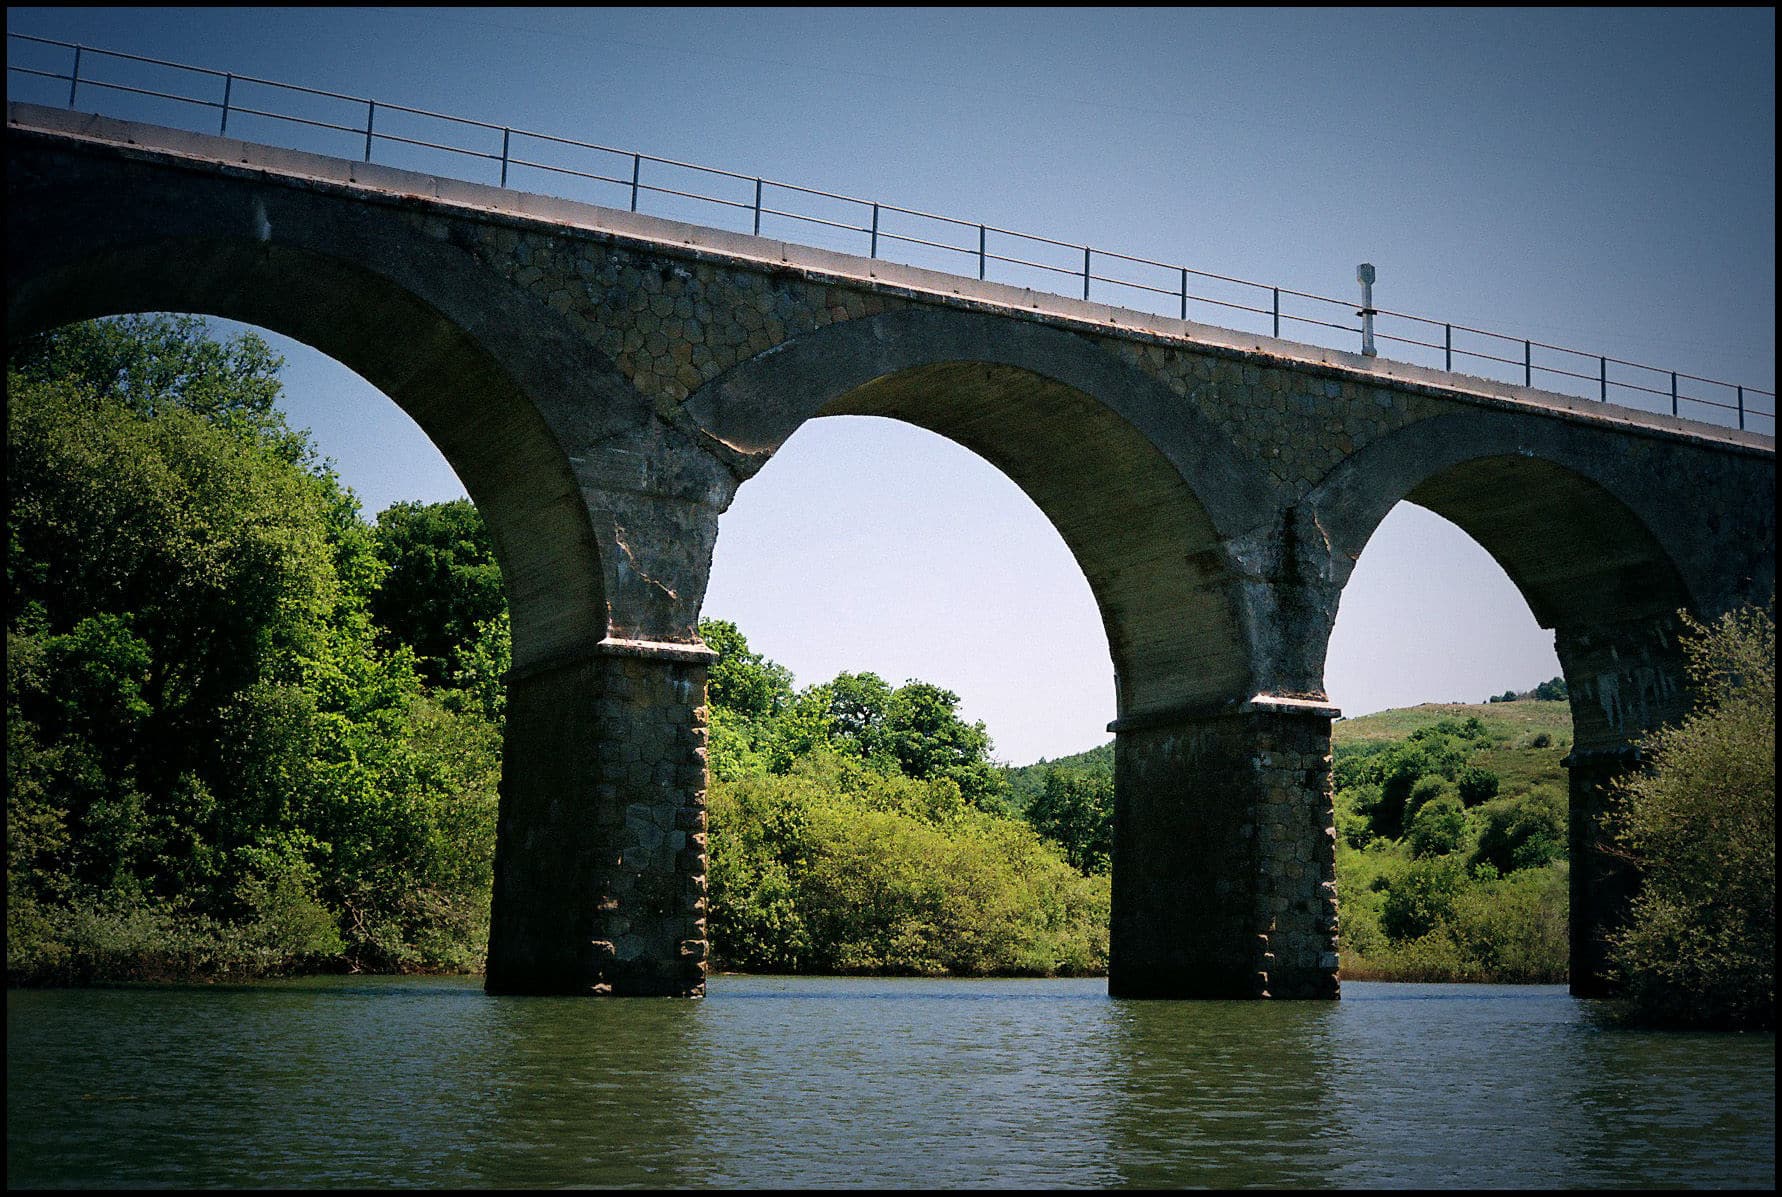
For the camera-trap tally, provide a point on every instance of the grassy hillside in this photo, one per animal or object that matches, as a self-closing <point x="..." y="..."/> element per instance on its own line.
<point x="1528" y="739"/>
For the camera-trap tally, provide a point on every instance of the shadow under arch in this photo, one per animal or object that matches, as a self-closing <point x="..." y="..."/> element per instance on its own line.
<point x="424" y="356"/>
<point x="1145" y="492"/>
<point x="1581" y="541"/>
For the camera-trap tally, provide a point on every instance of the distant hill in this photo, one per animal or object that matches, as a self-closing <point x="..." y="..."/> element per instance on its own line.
<point x="1026" y="781"/>
<point x="1528" y="738"/>
<point x="1517" y="754"/>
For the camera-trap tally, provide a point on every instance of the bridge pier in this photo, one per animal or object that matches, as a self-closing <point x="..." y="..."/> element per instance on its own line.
<point x="1224" y="854"/>
<point x="600" y="848"/>
<point x="1624" y="679"/>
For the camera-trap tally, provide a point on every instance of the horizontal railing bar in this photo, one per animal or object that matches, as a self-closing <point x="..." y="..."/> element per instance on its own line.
<point x="1380" y="336"/>
<point x="1173" y="293"/>
<point x="156" y="95"/>
<point x="1071" y="271"/>
<point x="908" y="240"/>
<point x="297" y="120"/>
<point x="46" y="41"/>
<point x="834" y="224"/>
<point x="694" y="195"/>
<point x="566" y="170"/>
<point x="879" y="209"/>
<point x="816" y="191"/>
<point x="434" y="145"/>
<point x="1324" y="323"/>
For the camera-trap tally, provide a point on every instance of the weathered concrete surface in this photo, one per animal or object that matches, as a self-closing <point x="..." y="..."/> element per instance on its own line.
<point x="602" y="382"/>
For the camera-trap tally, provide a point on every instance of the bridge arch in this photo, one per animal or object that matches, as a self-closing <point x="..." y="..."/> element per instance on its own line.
<point x="1158" y="507"/>
<point x="1606" y="548"/>
<point x="1145" y="491"/>
<point x="549" y="441"/>
<point x="392" y="323"/>
<point x="1597" y="559"/>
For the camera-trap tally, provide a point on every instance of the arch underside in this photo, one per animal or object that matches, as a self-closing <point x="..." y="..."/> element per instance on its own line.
<point x="1145" y="544"/>
<point x="1577" y="554"/>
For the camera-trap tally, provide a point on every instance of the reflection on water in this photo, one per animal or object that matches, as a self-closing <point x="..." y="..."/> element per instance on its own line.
<point x="830" y="1082"/>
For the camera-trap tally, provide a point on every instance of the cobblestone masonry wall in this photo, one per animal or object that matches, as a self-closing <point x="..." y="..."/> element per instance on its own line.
<point x="1225" y="859"/>
<point x="672" y="324"/>
<point x="651" y="933"/>
<point x="600" y="852"/>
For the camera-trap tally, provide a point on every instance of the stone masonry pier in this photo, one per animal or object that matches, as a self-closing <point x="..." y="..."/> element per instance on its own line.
<point x="603" y="382"/>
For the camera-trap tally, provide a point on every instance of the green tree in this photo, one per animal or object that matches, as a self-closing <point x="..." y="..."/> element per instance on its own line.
<point x="741" y="680"/>
<point x="1700" y="946"/>
<point x="211" y="766"/>
<point x="1553" y="690"/>
<point x="1476" y="785"/>
<point x="1075" y="810"/>
<point x="442" y="582"/>
<point x="150" y="363"/>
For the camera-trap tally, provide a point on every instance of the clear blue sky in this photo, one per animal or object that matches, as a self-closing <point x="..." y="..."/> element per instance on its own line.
<point x="1598" y="178"/>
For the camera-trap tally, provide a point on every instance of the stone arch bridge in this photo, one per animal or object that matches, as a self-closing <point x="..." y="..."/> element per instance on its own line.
<point x="603" y="382"/>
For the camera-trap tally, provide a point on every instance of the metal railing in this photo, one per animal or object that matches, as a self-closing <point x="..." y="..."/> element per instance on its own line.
<point x="960" y="244"/>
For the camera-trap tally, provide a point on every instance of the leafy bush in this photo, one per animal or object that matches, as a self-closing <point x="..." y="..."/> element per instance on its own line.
<point x="1422" y="898"/>
<point x="1700" y="947"/>
<point x="1424" y="791"/>
<point x="1527" y="832"/>
<point x="839" y="867"/>
<point x="1439" y="828"/>
<point x="1475" y="785"/>
<point x="1076" y="811"/>
<point x="1516" y="927"/>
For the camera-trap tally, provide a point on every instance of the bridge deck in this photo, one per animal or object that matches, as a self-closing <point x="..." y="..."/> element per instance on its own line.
<point x="387" y="183"/>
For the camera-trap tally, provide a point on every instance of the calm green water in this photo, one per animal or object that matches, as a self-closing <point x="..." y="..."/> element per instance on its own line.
<point x="822" y="1082"/>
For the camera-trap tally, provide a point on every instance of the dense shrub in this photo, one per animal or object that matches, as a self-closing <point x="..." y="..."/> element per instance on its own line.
<point x="1475" y="785"/>
<point x="1700" y="947"/>
<point x="1439" y="828"/>
<point x="839" y="867"/>
<point x="1421" y="898"/>
<point x="1527" y="832"/>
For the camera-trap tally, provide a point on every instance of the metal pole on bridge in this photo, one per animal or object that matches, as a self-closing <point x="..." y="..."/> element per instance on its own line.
<point x="1364" y="274"/>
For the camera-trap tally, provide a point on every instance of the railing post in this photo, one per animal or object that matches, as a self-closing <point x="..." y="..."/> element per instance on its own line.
<point x="74" y="77"/>
<point x="1086" y="273"/>
<point x="1527" y="363"/>
<point x="228" y="86"/>
<point x="1673" y="392"/>
<point x="981" y="255"/>
<point x="506" y="136"/>
<point x="1603" y="378"/>
<point x="1184" y="292"/>
<point x="636" y="170"/>
<point x="1447" y="346"/>
<point x="370" y="116"/>
<point x="874" y="252"/>
<point x="1365" y="274"/>
<point x="1277" y="292"/>
<point x="1741" y="409"/>
<point x="758" y="209"/>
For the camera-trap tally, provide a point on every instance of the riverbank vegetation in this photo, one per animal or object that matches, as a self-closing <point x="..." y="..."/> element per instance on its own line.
<point x="1700" y="825"/>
